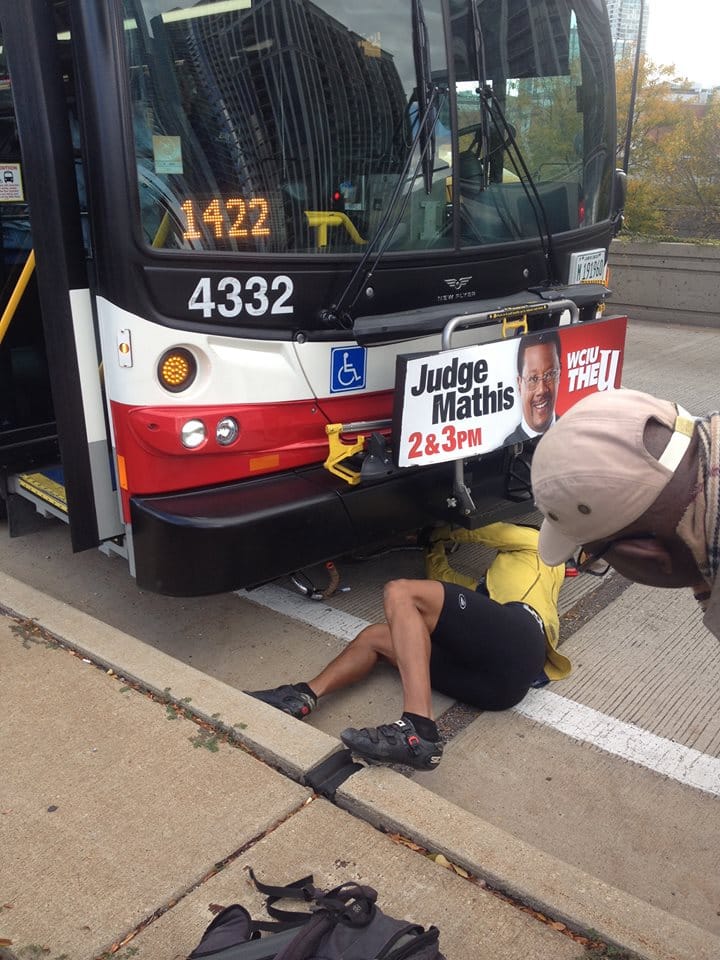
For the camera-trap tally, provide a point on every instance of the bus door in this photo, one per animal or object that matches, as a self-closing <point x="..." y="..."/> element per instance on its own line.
<point x="54" y="457"/>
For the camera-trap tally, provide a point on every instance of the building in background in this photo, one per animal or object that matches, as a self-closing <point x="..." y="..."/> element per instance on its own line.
<point x="625" y="26"/>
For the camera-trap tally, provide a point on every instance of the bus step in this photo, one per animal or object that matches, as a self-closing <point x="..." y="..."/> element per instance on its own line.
<point x="33" y="496"/>
<point x="46" y="485"/>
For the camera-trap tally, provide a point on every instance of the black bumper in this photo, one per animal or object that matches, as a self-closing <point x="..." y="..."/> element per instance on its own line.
<point x="224" y="538"/>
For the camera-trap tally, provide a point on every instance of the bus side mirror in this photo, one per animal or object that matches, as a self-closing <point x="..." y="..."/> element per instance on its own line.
<point x="619" y="197"/>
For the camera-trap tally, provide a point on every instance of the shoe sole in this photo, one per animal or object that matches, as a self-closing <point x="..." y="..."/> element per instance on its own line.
<point x="376" y="762"/>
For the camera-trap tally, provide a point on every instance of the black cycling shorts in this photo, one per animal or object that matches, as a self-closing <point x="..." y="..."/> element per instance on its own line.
<point x="485" y="653"/>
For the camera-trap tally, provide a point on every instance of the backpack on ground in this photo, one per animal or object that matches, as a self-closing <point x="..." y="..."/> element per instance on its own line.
<point x="344" y="923"/>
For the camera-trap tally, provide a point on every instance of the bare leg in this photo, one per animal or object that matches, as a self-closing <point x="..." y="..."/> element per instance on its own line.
<point x="355" y="661"/>
<point x="412" y="608"/>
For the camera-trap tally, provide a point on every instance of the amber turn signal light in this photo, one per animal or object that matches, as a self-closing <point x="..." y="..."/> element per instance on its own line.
<point x="177" y="369"/>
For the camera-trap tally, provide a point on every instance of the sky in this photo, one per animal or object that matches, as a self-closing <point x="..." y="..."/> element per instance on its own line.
<point x="685" y="32"/>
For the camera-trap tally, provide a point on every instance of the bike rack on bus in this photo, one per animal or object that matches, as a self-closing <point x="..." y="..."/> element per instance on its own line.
<point x="461" y="494"/>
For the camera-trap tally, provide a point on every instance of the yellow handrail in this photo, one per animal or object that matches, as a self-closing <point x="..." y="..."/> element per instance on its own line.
<point x="15" y="297"/>
<point x="322" y="219"/>
<point x="162" y="231"/>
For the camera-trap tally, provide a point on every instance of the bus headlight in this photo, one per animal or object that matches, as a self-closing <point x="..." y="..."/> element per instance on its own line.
<point x="193" y="434"/>
<point x="227" y="431"/>
<point x="177" y="369"/>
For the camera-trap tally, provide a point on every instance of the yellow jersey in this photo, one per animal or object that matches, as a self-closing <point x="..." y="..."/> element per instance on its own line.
<point x="516" y="575"/>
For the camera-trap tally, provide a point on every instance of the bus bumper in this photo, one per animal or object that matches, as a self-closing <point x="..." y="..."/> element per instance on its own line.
<point x="221" y="539"/>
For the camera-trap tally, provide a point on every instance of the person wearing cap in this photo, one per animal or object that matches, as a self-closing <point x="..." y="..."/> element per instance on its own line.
<point x="634" y="479"/>
<point x="483" y="643"/>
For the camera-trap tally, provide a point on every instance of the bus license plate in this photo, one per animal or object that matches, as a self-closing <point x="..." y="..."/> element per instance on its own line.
<point x="587" y="267"/>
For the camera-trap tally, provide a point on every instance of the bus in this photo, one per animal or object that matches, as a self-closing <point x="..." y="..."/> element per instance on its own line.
<point x="224" y="225"/>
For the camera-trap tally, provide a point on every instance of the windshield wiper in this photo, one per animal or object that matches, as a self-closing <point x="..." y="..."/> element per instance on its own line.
<point x="427" y="116"/>
<point x="425" y="90"/>
<point x="480" y="69"/>
<point x="489" y="99"/>
<point x="506" y="133"/>
<point x="339" y="312"/>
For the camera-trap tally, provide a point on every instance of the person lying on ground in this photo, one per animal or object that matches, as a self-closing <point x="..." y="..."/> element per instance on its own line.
<point x="484" y="644"/>
<point x="634" y="479"/>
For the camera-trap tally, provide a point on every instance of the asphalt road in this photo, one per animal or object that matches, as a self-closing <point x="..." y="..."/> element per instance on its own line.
<point x="615" y="770"/>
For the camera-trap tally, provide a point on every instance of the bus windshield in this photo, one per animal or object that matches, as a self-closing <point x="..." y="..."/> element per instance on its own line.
<point x="296" y="127"/>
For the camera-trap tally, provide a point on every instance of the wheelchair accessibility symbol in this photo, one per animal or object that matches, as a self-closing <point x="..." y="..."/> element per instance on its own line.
<point x="347" y="369"/>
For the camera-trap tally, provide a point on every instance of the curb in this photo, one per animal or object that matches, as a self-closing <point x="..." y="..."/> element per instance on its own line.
<point x="378" y="795"/>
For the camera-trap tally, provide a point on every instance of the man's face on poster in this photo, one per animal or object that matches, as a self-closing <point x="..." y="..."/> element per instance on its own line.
<point x="538" y="385"/>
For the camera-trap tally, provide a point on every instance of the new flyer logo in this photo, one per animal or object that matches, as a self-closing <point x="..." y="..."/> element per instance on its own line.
<point x="472" y="400"/>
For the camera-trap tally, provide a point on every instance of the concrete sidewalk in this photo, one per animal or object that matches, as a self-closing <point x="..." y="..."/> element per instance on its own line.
<point x="120" y="817"/>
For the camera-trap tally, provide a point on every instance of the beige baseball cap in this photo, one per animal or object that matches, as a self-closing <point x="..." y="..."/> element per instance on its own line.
<point x="592" y="474"/>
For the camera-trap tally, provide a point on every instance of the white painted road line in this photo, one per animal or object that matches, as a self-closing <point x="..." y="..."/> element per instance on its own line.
<point x="342" y="626"/>
<point x="626" y="740"/>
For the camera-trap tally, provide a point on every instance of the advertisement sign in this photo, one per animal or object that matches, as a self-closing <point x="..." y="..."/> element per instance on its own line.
<point x="471" y="400"/>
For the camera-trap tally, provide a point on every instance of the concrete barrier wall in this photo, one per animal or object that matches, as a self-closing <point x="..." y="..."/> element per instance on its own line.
<point x="666" y="282"/>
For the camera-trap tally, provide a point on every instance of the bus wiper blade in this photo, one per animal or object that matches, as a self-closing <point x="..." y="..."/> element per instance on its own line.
<point x="425" y="90"/>
<point x="480" y="69"/>
<point x="424" y="137"/>
<point x="496" y="113"/>
<point x="338" y="312"/>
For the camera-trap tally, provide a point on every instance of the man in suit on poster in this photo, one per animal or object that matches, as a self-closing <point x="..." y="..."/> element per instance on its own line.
<point x="538" y="375"/>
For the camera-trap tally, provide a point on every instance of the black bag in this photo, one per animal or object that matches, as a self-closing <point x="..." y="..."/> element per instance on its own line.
<point x="345" y="924"/>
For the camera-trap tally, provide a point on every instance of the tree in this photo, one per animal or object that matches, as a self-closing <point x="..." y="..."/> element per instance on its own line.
<point x="674" y="160"/>
<point x="692" y="173"/>
<point x="654" y="116"/>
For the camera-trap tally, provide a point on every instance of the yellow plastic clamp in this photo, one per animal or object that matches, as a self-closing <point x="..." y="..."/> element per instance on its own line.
<point x="515" y="325"/>
<point x="340" y="451"/>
